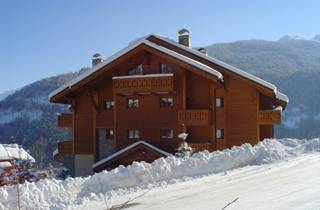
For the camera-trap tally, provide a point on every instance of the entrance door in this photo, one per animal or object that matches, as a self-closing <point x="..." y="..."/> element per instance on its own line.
<point x="106" y="144"/>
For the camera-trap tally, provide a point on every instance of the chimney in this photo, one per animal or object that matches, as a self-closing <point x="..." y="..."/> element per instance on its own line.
<point x="96" y="59"/>
<point x="203" y="50"/>
<point x="184" y="37"/>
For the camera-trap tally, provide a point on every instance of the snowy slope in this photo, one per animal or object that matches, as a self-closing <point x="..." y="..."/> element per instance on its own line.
<point x="269" y="175"/>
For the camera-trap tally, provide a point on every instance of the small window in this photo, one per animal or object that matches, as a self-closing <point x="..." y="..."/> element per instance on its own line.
<point x="133" y="134"/>
<point x="136" y="71"/>
<point x="166" y="102"/>
<point x="133" y="103"/>
<point x="219" y="102"/>
<point x="165" y="69"/>
<point x="109" y="133"/>
<point x="108" y="104"/>
<point x="166" y="133"/>
<point x="219" y="134"/>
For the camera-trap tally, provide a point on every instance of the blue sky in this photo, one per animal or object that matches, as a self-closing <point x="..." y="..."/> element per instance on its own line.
<point x="41" y="38"/>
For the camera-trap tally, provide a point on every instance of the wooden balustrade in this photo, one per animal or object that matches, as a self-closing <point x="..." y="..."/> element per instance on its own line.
<point x="197" y="147"/>
<point x="65" y="120"/>
<point x="269" y="117"/>
<point x="194" y="117"/>
<point x="143" y="83"/>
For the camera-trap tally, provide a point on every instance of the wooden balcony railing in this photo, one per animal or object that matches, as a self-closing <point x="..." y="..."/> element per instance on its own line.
<point x="197" y="147"/>
<point x="269" y="117"/>
<point x="194" y="117"/>
<point x="143" y="83"/>
<point x="64" y="120"/>
<point x="65" y="147"/>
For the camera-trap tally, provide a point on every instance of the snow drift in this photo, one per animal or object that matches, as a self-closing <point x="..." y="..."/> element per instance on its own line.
<point x="57" y="194"/>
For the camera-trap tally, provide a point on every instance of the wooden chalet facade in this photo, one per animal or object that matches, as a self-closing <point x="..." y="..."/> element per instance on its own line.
<point x="133" y="105"/>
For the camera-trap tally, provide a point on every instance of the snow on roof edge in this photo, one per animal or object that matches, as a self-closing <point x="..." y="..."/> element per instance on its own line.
<point x="126" y="50"/>
<point x="236" y="70"/>
<point x="126" y="149"/>
<point x="95" y="68"/>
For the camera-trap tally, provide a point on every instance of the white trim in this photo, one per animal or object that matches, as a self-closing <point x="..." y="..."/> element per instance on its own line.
<point x="128" y="148"/>
<point x="240" y="72"/>
<point x="143" y="76"/>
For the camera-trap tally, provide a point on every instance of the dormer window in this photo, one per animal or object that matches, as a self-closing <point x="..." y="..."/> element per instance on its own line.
<point x="138" y="70"/>
<point x="165" y="69"/>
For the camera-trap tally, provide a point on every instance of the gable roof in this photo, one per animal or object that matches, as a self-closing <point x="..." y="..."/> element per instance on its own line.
<point x="132" y="46"/>
<point x="131" y="146"/>
<point x="229" y="67"/>
<point x="144" y="40"/>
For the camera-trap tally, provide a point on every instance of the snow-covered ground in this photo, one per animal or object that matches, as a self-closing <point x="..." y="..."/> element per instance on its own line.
<point x="275" y="174"/>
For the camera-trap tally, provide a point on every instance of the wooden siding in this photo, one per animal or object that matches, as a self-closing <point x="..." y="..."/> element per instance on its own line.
<point x="65" y="120"/>
<point x="65" y="147"/>
<point x="197" y="147"/>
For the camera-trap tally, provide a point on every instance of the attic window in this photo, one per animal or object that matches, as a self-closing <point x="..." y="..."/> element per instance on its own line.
<point x="165" y="69"/>
<point x="219" y="102"/>
<point x="136" y="71"/>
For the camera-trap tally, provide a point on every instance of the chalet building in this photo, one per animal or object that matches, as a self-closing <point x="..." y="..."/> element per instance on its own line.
<point x="132" y="106"/>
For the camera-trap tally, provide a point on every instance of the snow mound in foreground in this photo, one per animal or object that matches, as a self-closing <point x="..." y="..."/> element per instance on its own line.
<point x="57" y="194"/>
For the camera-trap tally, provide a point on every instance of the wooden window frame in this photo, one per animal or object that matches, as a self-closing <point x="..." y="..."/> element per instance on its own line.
<point x="134" y="101"/>
<point x="110" y="106"/>
<point x="167" y="131"/>
<point x="219" y="104"/>
<point x="135" y="134"/>
<point x="165" y="69"/>
<point x="164" y="102"/>
<point x="219" y="133"/>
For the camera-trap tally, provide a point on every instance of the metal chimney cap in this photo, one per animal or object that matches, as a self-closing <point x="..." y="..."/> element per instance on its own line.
<point x="184" y="31"/>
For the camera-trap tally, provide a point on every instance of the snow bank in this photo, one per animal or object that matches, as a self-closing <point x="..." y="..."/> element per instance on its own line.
<point x="14" y="151"/>
<point x="55" y="194"/>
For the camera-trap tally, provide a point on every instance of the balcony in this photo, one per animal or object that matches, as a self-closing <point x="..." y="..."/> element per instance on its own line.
<point x="269" y="117"/>
<point x="65" y="120"/>
<point x="197" y="147"/>
<point x="194" y="117"/>
<point x="64" y="148"/>
<point x="155" y="83"/>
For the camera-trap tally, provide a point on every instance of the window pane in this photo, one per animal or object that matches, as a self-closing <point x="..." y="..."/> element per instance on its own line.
<point x="136" y="134"/>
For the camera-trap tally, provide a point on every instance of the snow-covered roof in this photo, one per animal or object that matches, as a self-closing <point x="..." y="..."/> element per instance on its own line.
<point x="14" y="152"/>
<point x="128" y="148"/>
<point x="235" y="70"/>
<point x="197" y="64"/>
<point x="133" y="45"/>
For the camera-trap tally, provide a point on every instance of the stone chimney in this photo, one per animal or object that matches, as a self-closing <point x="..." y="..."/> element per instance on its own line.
<point x="184" y="37"/>
<point x="96" y="59"/>
<point x="203" y="50"/>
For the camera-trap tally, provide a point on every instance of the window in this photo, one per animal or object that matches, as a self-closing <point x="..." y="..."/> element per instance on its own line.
<point x="165" y="69"/>
<point x="109" y="133"/>
<point x="133" y="134"/>
<point x="219" y="102"/>
<point x="133" y="103"/>
<point x="136" y="71"/>
<point x="166" y="133"/>
<point x="166" y="102"/>
<point x="108" y="104"/>
<point x="219" y="134"/>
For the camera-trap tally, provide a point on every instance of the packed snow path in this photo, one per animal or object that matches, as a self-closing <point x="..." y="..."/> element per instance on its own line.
<point x="293" y="184"/>
<point x="275" y="174"/>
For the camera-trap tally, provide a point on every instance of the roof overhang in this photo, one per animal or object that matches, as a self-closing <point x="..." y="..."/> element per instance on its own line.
<point x="66" y="88"/>
<point x="276" y="94"/>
